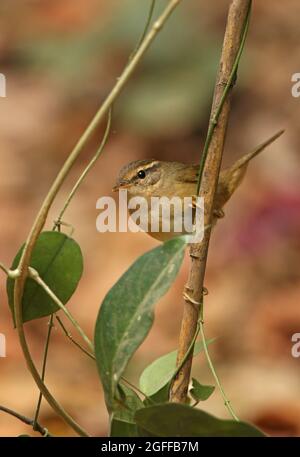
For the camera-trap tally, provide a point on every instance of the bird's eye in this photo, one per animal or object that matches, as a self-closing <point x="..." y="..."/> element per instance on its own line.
<point x="141" y="174"/>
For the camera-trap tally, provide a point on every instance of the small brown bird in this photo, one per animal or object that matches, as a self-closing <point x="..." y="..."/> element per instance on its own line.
<point x="153" y="178"/>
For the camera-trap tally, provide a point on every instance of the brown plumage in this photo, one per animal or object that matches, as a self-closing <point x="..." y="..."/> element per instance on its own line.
<point x="152" y="178"/>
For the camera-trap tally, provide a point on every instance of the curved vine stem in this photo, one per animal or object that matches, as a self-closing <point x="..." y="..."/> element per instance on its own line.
<point x="41" y="217"/>
<point x="146" y="28"/>
<point x="4" y="269"/>
<point x="214" y="373"/>
<point x="87" y="169"/>
<point x="58" y="223"/>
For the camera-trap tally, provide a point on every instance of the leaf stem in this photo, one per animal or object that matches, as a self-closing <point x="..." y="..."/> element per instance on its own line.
<point x="36" y="277"/>
<point x="137" y="389"/>
<point x="187" y="354"/>
<point x="38" y="407"/>
<point x="87" y="169"/>
<point x="70" y="337"/>
<point x="92" y="356"/>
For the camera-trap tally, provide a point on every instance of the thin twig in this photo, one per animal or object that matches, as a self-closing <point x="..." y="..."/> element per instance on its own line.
<point x="87" y="169"/>
<point x="146" y="28"/>
<point x="36" y="426"/>
<point x="229" y="84"/>
<point x="236" y="29"/>
<point x="216" y="377"/>
<point x="47" y="344"/>
<point x="47" y="203"/>
<point x="70" y="337"/>
<point x="4" y="269"/>
<point x="187" y="354"/>
<point x="38" y="407"/>
<point x="137" y="390"/>
<point x="36" y="277"/>
<point x="92" y="356"/>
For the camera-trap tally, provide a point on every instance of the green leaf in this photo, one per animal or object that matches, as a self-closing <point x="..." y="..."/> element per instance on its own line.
<point x="162" y="396"/>
<point x="200" y="392"/>
<point x="122" y="421"/>
<point x="128" y="403"/>
<point x="126" y="314"/>
<point x="120" y="428"/>
<point x="58" y="260"/>
<point x="174" y="419"/>
<point x="161" y="371"/>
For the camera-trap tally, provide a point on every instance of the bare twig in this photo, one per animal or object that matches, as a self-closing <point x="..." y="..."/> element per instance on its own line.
<point x="36" y="277"/>
<point x="70" y="337"/>
<point x="47" y="203"/>
<point x="236" y="29"/>
<point x="4" y="269"/>
<point x="57" y="225"/>
<point x="92" y="356"/>
<point x="39" y="402"/>
<point x="36" y="426"/>
<point x="216" y="377"/>
<point x="86" y="170"/>
<point x="146" y="28"/>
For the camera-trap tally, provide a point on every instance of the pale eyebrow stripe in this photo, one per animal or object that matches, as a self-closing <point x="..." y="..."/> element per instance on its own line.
<point x="150" y="167"/>
<point x="147" y="167"/>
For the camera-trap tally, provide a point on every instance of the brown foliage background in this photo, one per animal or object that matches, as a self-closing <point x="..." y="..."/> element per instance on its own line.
<point x="60" y="59"/>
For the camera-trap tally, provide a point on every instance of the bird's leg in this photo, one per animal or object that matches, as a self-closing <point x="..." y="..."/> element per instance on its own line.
<point x="218" y="213"/>
<point x="195" y="205"/>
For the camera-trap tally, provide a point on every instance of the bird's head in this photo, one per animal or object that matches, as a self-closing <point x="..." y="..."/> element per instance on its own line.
<point x="140" y="177"/>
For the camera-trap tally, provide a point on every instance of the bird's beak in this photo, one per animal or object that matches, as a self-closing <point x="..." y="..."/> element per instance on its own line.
<point x="120" y="185"/>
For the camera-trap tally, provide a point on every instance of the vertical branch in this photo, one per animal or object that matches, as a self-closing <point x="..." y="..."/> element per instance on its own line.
<point x="234" y="38"/>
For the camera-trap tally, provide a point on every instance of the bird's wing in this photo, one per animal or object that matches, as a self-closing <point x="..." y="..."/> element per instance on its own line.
<point x="187" y="174"/>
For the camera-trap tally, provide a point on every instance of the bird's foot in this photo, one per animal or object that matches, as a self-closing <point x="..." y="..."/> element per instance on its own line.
<point x="195" y="203"/>
<point x="218" y="213"/>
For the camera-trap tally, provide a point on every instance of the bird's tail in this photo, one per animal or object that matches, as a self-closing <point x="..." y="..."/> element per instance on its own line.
<point x="247" y="157"/>
<point x="231" y="177"/>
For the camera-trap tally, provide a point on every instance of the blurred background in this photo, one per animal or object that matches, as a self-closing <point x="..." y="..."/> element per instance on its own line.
<point x="60" y="59"/>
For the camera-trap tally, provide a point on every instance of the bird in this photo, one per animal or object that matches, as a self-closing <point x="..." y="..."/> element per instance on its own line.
<point x="149" y="178"/>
